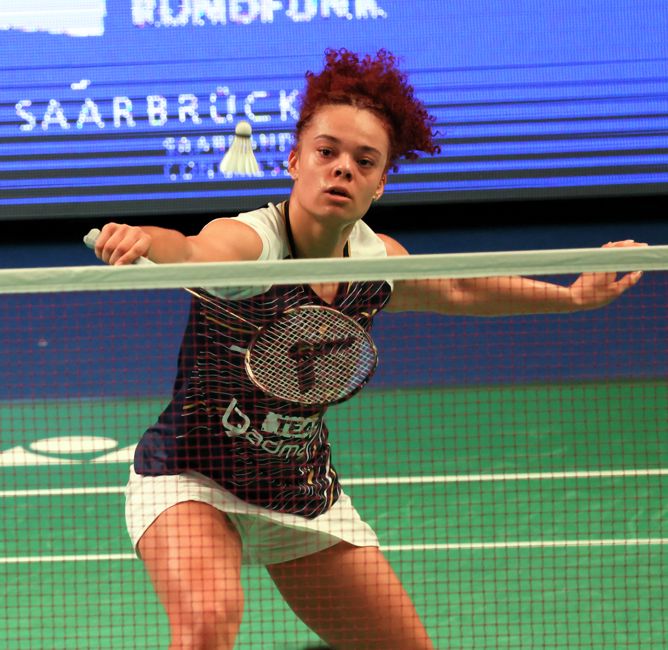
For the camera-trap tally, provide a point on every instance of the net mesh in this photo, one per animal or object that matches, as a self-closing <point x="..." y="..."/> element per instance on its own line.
<point x="513" y="468"/>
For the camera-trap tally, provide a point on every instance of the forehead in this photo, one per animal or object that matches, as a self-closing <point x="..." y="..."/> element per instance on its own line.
<point x="354" y="126"/>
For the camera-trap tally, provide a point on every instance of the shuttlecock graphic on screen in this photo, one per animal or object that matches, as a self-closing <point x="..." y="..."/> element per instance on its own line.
<point x="240" y="159"/>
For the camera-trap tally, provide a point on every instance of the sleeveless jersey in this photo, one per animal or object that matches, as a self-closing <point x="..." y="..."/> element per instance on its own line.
<point x="264" y="450"/>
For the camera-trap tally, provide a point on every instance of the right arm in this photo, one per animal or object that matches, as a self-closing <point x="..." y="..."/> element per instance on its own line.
<point x="219" y="241"/>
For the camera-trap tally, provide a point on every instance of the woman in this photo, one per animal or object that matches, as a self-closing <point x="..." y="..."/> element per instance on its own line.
<point x="208" y="491"/>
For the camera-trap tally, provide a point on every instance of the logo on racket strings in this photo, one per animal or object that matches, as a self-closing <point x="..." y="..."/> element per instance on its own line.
<point x="305" y="353"/>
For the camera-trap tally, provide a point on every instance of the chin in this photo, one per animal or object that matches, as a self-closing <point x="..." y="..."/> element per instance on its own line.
<point x="347" y="213"/>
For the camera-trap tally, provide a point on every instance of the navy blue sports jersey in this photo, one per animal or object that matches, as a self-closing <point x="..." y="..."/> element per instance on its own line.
<point x="264" y="450"/>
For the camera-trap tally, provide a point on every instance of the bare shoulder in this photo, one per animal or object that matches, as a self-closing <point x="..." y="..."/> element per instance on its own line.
<point x="228" y="239"/>
<point x="415" y="295"/>
<point x="392" y="246"/>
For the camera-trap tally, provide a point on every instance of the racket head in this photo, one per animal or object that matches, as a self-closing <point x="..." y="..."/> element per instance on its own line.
<point x="311" y="355"/>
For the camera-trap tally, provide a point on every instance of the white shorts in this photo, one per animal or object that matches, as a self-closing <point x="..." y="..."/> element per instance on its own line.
<point x="268" y="537"/>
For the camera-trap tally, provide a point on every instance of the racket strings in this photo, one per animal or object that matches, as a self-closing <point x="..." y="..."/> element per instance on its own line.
<point x="315" y="355"/>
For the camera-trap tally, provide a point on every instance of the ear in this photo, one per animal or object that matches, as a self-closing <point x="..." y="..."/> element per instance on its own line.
<point x="381" y="187"/>
<point x="293" y="164"/>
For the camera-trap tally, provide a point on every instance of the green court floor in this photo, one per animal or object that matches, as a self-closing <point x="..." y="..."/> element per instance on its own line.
<point x="518" y="518"/>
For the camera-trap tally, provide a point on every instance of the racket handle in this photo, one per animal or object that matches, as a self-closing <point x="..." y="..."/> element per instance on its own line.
<point x="92" y="236"/>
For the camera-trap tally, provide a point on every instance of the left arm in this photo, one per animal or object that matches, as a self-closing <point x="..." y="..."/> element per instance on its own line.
<point x="506" y="295"/>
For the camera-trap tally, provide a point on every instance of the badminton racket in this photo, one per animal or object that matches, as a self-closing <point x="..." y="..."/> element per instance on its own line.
<point x="312" y="355"/>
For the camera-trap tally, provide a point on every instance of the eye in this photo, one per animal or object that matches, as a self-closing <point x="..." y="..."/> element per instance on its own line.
<point x="366" y="162"/>
<point x="325" y="152"/>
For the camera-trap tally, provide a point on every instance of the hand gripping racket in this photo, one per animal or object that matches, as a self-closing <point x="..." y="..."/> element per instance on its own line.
<point x="310" y="355"/>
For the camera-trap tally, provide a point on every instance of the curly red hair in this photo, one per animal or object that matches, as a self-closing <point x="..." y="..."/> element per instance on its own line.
<point x="375" y="84"/>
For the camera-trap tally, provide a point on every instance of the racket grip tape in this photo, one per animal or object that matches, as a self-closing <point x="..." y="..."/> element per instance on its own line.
<point x="92" y="236"/>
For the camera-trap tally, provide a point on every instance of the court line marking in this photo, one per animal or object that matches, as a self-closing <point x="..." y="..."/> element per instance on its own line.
<point x="46" y="559"/>
<point x="382" y="480"/>
<point x="59" y="492"/>
<point x="562" y="543"/>
<point x="464" y="546"/>
<point x="529" y="476"/>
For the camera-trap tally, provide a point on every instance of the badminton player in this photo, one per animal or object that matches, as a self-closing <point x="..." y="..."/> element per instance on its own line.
<point x="226" y="477"/>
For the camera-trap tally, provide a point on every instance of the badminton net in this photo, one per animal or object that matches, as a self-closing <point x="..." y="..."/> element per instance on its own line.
<point x="513" y="468"/>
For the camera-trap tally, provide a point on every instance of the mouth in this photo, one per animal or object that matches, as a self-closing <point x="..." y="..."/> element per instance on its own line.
<point x="338" y="192"/>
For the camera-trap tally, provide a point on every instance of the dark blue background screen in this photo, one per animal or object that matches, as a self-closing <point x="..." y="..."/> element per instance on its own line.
<point x="127" y="106"/>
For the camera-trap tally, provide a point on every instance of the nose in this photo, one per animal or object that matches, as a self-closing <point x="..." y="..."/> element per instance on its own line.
<point x="342" y="170"/>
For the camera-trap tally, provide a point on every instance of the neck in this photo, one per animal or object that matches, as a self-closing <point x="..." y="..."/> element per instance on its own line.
<point x="313" y="237"/>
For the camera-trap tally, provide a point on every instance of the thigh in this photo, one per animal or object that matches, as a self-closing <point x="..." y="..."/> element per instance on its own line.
<point x="352" y="598"/>
<point x="192" y="553"/>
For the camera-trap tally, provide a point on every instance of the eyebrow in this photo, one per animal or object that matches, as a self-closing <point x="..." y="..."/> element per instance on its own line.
<point x="334" y="140"/>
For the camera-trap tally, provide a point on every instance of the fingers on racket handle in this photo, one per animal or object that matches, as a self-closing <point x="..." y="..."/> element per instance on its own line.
<point x="92" y="236"/>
